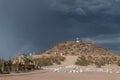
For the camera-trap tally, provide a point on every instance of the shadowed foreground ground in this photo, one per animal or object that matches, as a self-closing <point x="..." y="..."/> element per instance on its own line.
<point x="45" y="75"/>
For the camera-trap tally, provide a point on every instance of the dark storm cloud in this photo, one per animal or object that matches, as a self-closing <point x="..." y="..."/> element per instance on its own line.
<point x="82" y="14"/>
<point x="109" y="41"/>
<point x="85" y="7"/>
<point x="27" y="25"/>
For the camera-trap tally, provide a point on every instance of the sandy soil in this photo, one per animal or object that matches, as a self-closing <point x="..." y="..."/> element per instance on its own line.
<point x="45" y="75"/>
<point x="70" y="60"/>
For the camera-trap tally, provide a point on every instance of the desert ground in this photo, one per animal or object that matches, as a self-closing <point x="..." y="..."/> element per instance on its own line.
<point x="51" y="75"/>
<point x="47" y="75"/>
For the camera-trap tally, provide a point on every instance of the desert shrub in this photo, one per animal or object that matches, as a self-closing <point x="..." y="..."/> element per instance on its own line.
<point x="73" y="53"/>
<point x="82" y="61"/>
<point x="99" y="63"/>
<point x="114" y="58"/>
<point x="58" y="62"/>
<point x="118" y="62"/>
<point x="61" y="58"/>
<point x="57" y="59"/>
<point x="90" y="59"/>
<point x="46" y="61"/>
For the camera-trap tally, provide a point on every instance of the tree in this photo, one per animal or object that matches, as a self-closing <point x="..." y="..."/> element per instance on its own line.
<point x="1" y="65"/>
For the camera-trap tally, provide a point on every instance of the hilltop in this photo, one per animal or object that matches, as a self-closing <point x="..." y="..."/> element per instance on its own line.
<point x="78" y="48"/>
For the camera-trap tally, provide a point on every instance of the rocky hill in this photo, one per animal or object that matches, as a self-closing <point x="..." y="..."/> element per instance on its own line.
<point x="78" y="53"/>
<point x="78" y="48"/>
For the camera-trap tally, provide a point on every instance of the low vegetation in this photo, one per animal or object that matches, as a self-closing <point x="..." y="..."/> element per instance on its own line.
<point x="26" y="63"/>
<point x="47" y="61"/>
<point x="98" y="61"/>
<point x="82" y="61"/>
<point x="89" y="54"/>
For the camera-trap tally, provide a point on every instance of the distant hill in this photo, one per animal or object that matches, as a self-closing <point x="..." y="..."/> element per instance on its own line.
<point x="79" y="53"/>
<point x="78" y="48"/>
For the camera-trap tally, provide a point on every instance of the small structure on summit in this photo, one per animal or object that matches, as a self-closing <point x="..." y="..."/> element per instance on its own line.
<point x="77" y="40"/>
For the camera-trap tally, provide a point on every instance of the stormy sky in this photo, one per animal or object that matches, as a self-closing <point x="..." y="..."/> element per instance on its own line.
<point x="35" y="25"/>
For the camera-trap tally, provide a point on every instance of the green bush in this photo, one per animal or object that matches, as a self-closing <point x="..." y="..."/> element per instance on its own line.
<point x="99" y="63"/>
<point x="82" y="61"/>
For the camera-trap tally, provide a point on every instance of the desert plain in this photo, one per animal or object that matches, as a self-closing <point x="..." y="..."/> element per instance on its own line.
<point x="49" y="75"/>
